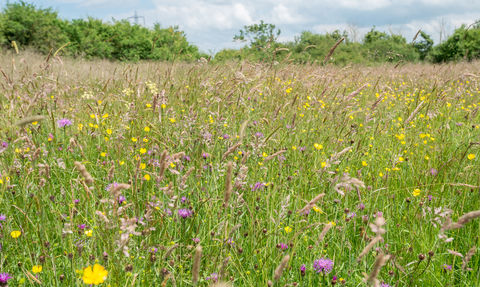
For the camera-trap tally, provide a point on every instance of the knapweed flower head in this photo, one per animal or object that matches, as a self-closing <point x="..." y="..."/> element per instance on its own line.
<point x="259" y="135"/>
<point x="447" y="267"/>
<point x="81" y="226"/>
<point x="361" y="206"/>
<point x="3" y="217"/>
<point x="95" y="275"/>
<point x="323" y="265"/>
<point x="385" y="285"/>
<point x="213" y="277"/>
<point x="121" y="199"/>
<point x="303" y="268"/>
<point x="110" y="185"/>
<point x="4" y="277"/>
<point x="205" y="155"/>
<point x="184" y="213"/>
<point x="257" y="186"/>
<point x="183" y="199"/>
<point x="283" y="246"/>
<point x="196" y="240"/>
<point x="64" y="123"/>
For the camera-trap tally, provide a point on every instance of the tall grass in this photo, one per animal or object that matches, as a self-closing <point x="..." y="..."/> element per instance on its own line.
<point x="267" y="168"/>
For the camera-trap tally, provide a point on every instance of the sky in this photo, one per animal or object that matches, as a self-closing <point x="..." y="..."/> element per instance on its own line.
<point x="211" y="24"/>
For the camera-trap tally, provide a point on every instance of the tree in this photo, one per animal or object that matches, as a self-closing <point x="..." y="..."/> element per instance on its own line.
<point x="424" y="46"/>
<point x="353" y="30"/>
<point x="258" y="34"/>
<point x="374" y="36"/>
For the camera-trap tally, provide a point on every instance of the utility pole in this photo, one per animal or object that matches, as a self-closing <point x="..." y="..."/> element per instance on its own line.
<point x="136" y="17"/>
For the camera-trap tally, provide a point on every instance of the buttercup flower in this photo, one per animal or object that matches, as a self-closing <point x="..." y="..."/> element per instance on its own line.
<point x="95" y="275"/>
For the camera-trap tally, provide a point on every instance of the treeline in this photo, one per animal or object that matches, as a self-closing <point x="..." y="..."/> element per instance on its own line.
<point x="41" y="29"/>
<point x="376" y="46"/>
<point x="26" y="26"/>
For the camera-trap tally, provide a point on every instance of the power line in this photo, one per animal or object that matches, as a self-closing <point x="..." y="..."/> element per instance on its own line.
<point x="136" y="17"/>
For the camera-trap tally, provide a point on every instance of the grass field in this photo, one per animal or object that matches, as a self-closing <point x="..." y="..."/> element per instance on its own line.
<point x="173" y="174"/>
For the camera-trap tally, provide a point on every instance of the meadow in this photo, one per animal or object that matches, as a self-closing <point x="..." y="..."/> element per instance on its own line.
<point x="240" y="174"/>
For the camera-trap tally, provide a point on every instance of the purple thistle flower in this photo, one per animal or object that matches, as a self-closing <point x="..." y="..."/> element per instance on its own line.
<point x="259" y="135"/>
<point x="121" y="199"/>
<point x="351" y="214"/>
<point x="433" y="172"/>
<point x="154" y="250"/>
<point x="5" y="145"/>
<point x="257" y="186"/>
<point x="196" y="240"/>
<point x="64" y="123"/>
<point x="213" y="277"/>
<point x="225" y="136"/>
<point x="187" y="158"/>
<point x="76" y="201"/>
<point x="283" y="246"/>
<point x="205" y="155"/>
<point x="255" y="123"/>
<point x="4" y="277"/>
<point x="110" y="185"/>
<point x="447" y="267"/>
<point x="3" y="217"/>
<point x="324" y="265"/>
<point x="289" y="126"/>
<point x="303" y="268"/>
<point x="459" y="124"/>
<point x="82" y="226"/>
<point x="231" y="242"/>
<point x="183" y="199"/>
<point x="302" y="148"/>
<point x="334" y="277"/>
<point x="184" y="213"/>
<point x="361" y="206"/>
<point x="385" y="285"/>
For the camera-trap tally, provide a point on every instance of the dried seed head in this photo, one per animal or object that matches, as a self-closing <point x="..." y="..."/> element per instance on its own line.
<point x="128" y="268"/>
<point x="431" y="253"/>
<point x="279" y="270"/>
<point x="196" y="264"/>
<point x="421" y="257"/>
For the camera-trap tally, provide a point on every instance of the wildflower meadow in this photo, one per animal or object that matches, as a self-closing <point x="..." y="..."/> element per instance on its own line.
<point x="238" y="174"/>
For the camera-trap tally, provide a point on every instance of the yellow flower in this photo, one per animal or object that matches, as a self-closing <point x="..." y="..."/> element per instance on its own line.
<point x="416" y="192"/>
<point x="400" y="159"/>
<point x="264" y="154"/>
<point x="163" y="106"/>
<point x="145" y="140"/>
<point x="364" y="163"/>
<point x="104" y="154"/>
<point x="15" y="234"/>
<point x="427" y="157"/>
<point x="89" y="233"/>
<point x="105" y="116"/>
<point x="109" y="131"/>
<point x="34" y="123"/>
<point x="37" y="269"/>
<point x="317" y="209"/>
<point x="471" y="156"/>
<point x="294" y="147"/>
<point x="172" y="120"/>
<point x="121" y="162"/>
<point x="332" y="223"/>
<point x="134" y="139"/>
<point x="318" y="146"/>
<point x="288" y="229"/>
<point x="143" y="150"/>
<point x="147" y="177"/>
<point x="147" y="129"/>
<point x="143" y="166"/>
<point x="94" y="276"/>
<point x="92" y="116"/>
<point x="324" y="164"/>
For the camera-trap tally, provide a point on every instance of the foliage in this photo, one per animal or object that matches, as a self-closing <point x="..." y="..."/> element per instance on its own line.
<point x="258" y="35"/>
<point x="456" y="46"/>
<point x="41" y="29"/>
<point x="424" y="46"/>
